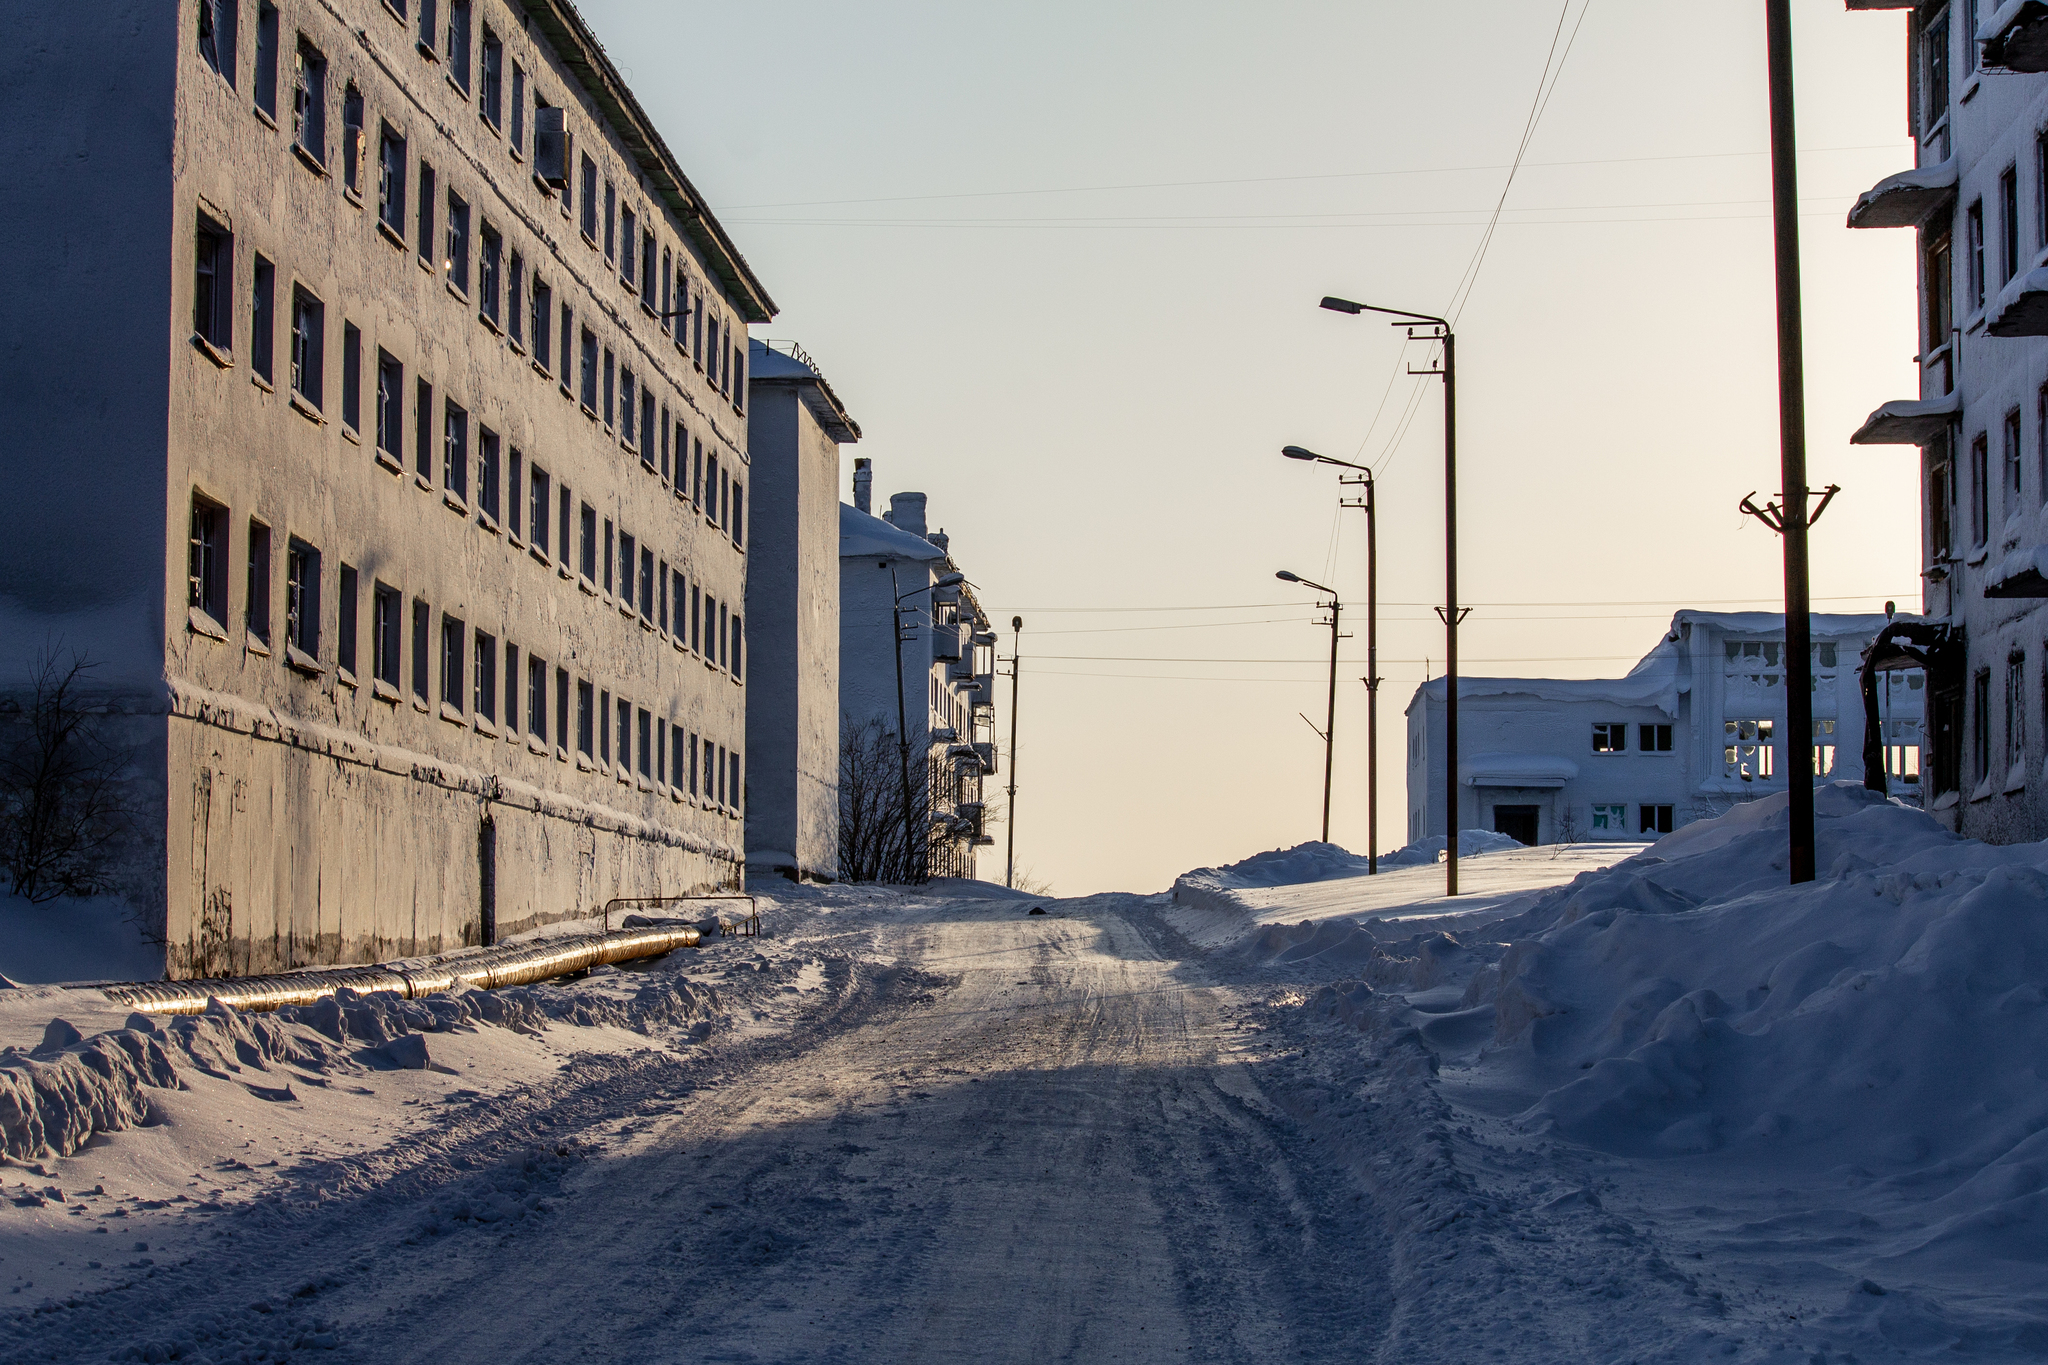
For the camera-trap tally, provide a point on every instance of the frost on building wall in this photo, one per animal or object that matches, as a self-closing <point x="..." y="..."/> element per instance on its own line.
<point x="945" y="696"/>
<point x="1977" y="200"/>
<point x="1695" y="727"/>
<point x="795" y="426"/>
<point x="384" y="443"/>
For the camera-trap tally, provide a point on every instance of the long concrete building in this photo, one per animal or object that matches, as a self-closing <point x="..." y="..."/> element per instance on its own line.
<point x="383" y="442"/>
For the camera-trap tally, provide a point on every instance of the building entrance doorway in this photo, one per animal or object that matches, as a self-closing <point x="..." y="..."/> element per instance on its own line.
<point x="1517" y="822"/>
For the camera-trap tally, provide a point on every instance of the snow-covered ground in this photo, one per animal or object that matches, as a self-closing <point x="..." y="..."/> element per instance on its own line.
<point x="1667" y="1110"/>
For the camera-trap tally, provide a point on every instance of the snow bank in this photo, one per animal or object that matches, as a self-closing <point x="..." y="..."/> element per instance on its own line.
<point x="1471" y="843"/>
<point x="1890" y="1016"/>
<point x="54" y="1098"/>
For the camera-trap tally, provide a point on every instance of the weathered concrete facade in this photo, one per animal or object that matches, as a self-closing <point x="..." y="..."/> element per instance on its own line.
<point x="416" y="490"/>
<point x="795" y="426"/>
<point x="948" y="660"/>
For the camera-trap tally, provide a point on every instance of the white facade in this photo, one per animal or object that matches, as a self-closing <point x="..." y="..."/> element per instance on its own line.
<point x="795" y="426"/>
<point x="388" y="389"/>
<point x="948" y="661"/>
<point x="1978" y="199"/>
<point x="1695" y="727"/>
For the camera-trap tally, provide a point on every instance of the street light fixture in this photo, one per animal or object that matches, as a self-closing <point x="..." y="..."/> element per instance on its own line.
<point x="1440" y="330"/>
<point x="1330" y="722"/>
<point x="1372" y="639"/>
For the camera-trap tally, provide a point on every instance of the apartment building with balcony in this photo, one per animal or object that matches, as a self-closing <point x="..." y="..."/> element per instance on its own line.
<point x="383" y="441"/>
<point x="1977" y="199"/>
<point x="893" y="596"/>
<point x="795" y="427"/>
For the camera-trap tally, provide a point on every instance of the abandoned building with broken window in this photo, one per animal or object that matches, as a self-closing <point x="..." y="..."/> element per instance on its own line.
<point x="1977" y="199"/>
<point x="1697" y="726"/>
<point x="383" y="442"/>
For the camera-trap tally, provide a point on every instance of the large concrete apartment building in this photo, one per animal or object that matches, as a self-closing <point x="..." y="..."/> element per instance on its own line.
<point x="382" y="438"/>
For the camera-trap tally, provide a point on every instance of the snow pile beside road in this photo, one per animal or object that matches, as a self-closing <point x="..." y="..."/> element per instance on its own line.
<point x="57" y="1096"/>
<point x="1471" y="843"/>
<point x="1216" y="888"/>
<point x="1887" y="1022"/>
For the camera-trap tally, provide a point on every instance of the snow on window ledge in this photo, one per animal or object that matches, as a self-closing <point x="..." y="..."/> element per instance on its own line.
<point x="1983" y="791"/>
<point x="2016" y="779"/>
<point x="1946" y="801"/>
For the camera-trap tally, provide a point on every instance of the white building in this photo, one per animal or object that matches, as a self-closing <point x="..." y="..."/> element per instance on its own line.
<point x="383" y="439"/>
<point x="946" y="694"/>
<point x="795" y="426"/>
<point x="1977" y="195"/>
<point x="1693" y="728"/>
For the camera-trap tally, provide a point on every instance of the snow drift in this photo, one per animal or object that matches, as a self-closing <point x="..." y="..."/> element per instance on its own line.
<point x="1214" y="887"/>
<point x="1888" y="1019"/>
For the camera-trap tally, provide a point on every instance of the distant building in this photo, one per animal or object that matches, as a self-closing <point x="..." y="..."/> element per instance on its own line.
<point x="948" y="661"/>
<point x="1977" y="194"/>
<point x="795" y="426"/>
<point x="384" y="440"/>
<point x="1695" y="727"/>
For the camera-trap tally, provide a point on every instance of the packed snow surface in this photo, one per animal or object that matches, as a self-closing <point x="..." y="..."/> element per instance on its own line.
<point x="1612" y="1103"/>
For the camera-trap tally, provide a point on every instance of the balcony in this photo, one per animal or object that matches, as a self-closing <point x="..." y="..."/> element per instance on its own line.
<point x="987" y="752"/>
<point x="1907" y="199"/>
<point x="946" y="643"/>
<point x="2015" y="37"/>
<point x="2023" y="573"/>
<point x="1908" y="421"/>
<point x="2021" y="308"/>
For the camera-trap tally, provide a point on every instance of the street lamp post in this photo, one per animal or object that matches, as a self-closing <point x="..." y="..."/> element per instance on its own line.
<point x="1449" y="374"/>
<point x="911" y="844"/>
<point x="1016" y="664"/>
<point x="1372" y="643"/>
<point x="1330" y="721"/>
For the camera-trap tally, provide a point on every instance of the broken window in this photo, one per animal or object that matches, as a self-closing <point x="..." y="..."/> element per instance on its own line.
<point x="1654" y="819"/>
<point x="206" y="563"/>
<point x="543" y="316"/>
<point x="589" y="369"/>
<point x="345" y="621"/>
<point x="351" y="376"/>
<point x="490" y="101"/>
<point x="511" y="689"/>
<point x="390" y="406"/>
<point x="1941" y="495"/>
<point x="647" y="427"/>
<point x="484" y="680"/>
<point x="309" y="329"/>
<point x="455" y="450"/>
<point x="489" y="255"/>
<point x="587" y="220"/>
<point x="515" y="299"/>
<point x="584" y="723"/>
<point x="646" y="584"/>
<point x="458" y="43"/>
<point x="1823" y="748"/>
<point x="626" y="565"/>
<point x="537" y="698"/>
<point x="309" y="102"/>
<point x="256" y="606"/>
<point x="391" y="180"/>
<point x="261" y="326"/>
<point x="422" y="625"/>
<point x="611" y="220"/>
<point x="625" y="714"/>
<point x="629" y="227"/>
<point x="428" y="31"/>
<point x="518" y="110"/>
<point x="537" y="511"/>
<point x="1610" y="737"/>
<point x="628" y="405"/>
<point x="1980" y="489"/>
<point x="266" y="60"/>
<point x="2015" y="709"/>
<point x="1980" y="725"/>
<point x="213" y="290"/>
<point x="1973" y="228"/>
<point x="302" y="597"/>
<point x="587" y="556"/>
<point x="385" y="609"/>
<point x="1746" y="752"/>
<point x="453" y="630"/>
<point x="562" y="714"/>
<point x="646" y="747"/>
<point x="648" y="271"/>
<point x="606" y="583"/>
<point x="1653" y="739"/>
<point x="217" y="23"/>
<point x="487" y="472"/>
<point x="457" y="260"/>
<point x="2008" y="222"/>
<point x="352" y="139"/>
<point x="609" y="376"/>
<point x="426" y="221"/>
<point x="1610" y="819"/>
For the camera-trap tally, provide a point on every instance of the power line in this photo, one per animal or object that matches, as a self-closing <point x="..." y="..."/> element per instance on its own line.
<point x="1634" y="602"/>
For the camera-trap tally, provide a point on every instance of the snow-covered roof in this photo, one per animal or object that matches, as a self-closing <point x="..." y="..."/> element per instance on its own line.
<point x="2023" y="573"/>
<point x="1908" y="421"/>
<point x="2021" y="308"/>
<point x="1905" y="199"/>
<point x="865" y="536"/>
<point x="1517" y="770"/>
<point x="2015" y="37"/>
<point x="767" y="365"/>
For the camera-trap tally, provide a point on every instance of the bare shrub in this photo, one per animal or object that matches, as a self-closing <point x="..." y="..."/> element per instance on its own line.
<point x="63" y="809"/>
<point x="874" y="844"/>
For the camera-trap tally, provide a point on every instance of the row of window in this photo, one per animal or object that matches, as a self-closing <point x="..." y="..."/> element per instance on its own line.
<point x="469" y="659"/>
<point x="1611" y="737"/>
<point x="1611" y="818"/>
<point x="1946" y="499"/>
<point x="507" y="300"/>
<point x="2015" y="704"/>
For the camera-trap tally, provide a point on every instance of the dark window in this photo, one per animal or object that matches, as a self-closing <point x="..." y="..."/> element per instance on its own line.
<point x="739" y="513"/>
<point x="385" y="610"/>
<point x="589" y="371"/>
<point x="452" y="632"/>
<point x="739" y="644"/>
<point x="309" y="330"/>
<point x="206" y="562"/>
<point x="390" y="407"/>
<point x="422" y="627"/>
<point x="604" y="727"/>
<point x="487" y="472"/>
<point x="518" y="108"/>
<point x="606" y="584"/>
<point x="213" y="290"/>
<point x="587" y="559"/>
<point x="1653" y="739"/>
<point x="537" y="511"/>
<point x="511" y="688"/>
<point x="455" y="449"/>
<point x="648" y="272"/>
<point x="391" y="179"/>
<point x="457" y="260"/>
<point x="302" y="597"/>
<point x="2015" y="709"/>
<point x="661" y="607"/>
<point x="490" y="250"/>
<point x="458" y="43"/>
<point x="266" y="60"/>
<point x="629" y="227"/>
<point x="2041" y="188"/>
<point x="423" y="430"/>
<point x="646" y="745"/>
<point x="626" y="558"/>
<point x="1935" y="47"/>
<point x="625" y="714"/>
<point x="628" y="407"/>
<point x="611" y="220"/>
<point x="490" y="70"/>
<point x="587" y="220"/>
<point x="1970" y="36"/>
<point x="679" y="762"/>
<point x="719" y="644"/>
<point x="309" y="102"/>
<point x="537" y="698"/>
<point x="352" y="139"/>
<point x="1941" y="498"/>
<point x="679" y="598"/>
<point x="429" y="30"/>
<point x="1980" y="489"/>
<point x="352" y="376"/>
<point x="543" y="316"/>
<point x="696" y="619"/>
<point x="551" y="146"/>
<point x="1938" y="285"/>
<point x="345" y="620"/>
<point x="609" y="367"/>
<point x="2008" y="224"/>
<point x="585" y="727"/>
<point x="562" y="543"/>
<point x="562" y="714"/>
<point x="568" y="350"/>
<point x="711" y="489"/>
<point x="647" y="427"/>
<point x="1610" y="737"/>
<point x="1974" y="226"/>
<point x="426" y="223"/>
<point x="1655" y="819"/>
<point x="646" y="584"/>
<point x="217" y="23"/>
<point x="515" y="299"/>
<point x="256" y="606"/>
<point x="484" y="670"/>
<point x="261" y="324"/>
<point x="2011" y="465"/>
<point x="1980" y="725"/>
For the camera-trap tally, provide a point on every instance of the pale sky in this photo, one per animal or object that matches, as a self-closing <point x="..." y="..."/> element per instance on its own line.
<point x="1062" y="262"/>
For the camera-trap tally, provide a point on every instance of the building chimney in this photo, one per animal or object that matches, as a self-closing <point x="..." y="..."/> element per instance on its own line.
<point x="942" y="540"/>
<point x="863" y="482"/>
<point x="906" y="512"/>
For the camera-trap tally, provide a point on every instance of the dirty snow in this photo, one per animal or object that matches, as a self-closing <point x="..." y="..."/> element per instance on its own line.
<point x="1617" y="1103"/>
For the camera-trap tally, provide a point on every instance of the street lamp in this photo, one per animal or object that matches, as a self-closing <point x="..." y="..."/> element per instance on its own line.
<point x="1441" y="331"/>
<point x="1330" y="722"/>
<point x="1372" y="641"/>
<point x="911" y="845"/>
